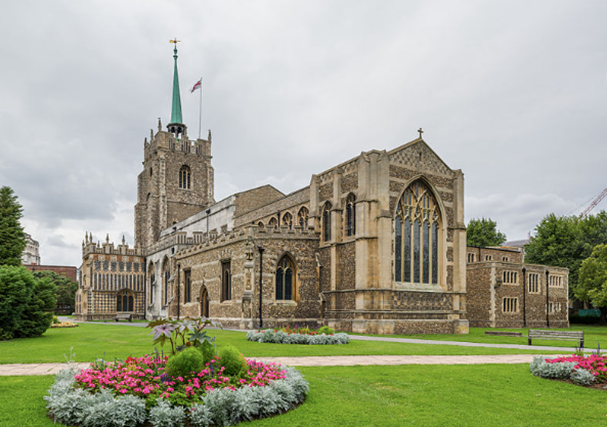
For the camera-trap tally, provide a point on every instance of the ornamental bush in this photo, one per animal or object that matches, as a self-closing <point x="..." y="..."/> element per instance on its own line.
<point x="232" y="360"/>
<point x="185" y="362"/>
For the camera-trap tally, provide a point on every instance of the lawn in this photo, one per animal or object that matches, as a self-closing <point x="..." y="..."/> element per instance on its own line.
<point x="109" y="341"/>
<point x="474" y="395"/>
<point x="593" y="335"/>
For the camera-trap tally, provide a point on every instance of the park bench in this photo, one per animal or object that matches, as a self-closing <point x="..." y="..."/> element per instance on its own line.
<point x="124" y="316"/>
<point x="536" y="334"/>
<point x="504" y="333"/>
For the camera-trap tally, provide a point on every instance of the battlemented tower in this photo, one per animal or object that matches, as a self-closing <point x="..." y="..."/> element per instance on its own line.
<point x="177" y="177"/>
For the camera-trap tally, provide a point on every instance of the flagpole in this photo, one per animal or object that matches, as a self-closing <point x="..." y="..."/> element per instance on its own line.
<point x="200" y="111"/>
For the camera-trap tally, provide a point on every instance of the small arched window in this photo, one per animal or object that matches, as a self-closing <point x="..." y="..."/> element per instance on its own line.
<point x="226" y="280"/>
<point x="273" y="223"/>
<point x="350" y="215"/>
<point x="287" y="219"/>
<point x="326" y="222"/>
<point x="285" y="277"/>
<point x="166" y="275"/>
<point x="260" y="225"/>
<point x="185" y="177"/>
<point x="302" y="218"/>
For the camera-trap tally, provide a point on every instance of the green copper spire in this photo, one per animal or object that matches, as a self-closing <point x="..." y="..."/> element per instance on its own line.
<point x="176" y="126"/>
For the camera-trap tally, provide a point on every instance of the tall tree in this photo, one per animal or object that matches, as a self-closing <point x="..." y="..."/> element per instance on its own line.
<point x="66" y="289"/>
<point x="12" y="237"/>
<point x="592" y="284"/>
<point x="484" y="232"/>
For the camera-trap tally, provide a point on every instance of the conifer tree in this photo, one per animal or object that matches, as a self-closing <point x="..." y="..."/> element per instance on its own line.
<point x="12" y="237"/>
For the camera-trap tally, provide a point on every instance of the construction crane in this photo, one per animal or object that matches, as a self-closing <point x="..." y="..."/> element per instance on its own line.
<point x="594" y="203"/>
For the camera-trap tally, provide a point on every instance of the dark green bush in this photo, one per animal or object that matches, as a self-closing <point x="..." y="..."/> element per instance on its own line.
<point x="207" y="350"/>
<point x="232" y="360"/>
<point x="584" y="320"/>
<point x="16" y="287"/>
<point x="181" y="364"/>
<point x="38" y="313"/>
<point x="326" y="330"/>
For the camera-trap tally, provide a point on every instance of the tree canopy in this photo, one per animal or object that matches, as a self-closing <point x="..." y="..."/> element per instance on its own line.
<point x="566" y="241"/>
<point x="484" y="232"/>
<point x="66" y="289"/>
<point x="12" y="237"/>
<point x="592" y="284"/>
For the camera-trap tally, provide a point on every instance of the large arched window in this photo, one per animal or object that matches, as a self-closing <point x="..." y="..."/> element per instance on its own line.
<point x="287" y="219"/>
<point x="125" y="301"/>
<point x="302" y="218"/>
<point x="350" y="215"/>
<point x="326" y="222"/>
<point x="226" y="280"/>
<point x="285" y="277"/>
<point x="185" y="177"/>
<point x="417" y="236"/>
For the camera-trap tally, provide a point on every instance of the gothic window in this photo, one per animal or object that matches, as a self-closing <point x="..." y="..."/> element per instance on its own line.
<point x="287" y="219"/>
<point x="302" y="218"/>
<point x="285" y="273"/>
<point x="417" y="236"/>
<point x="166" y="275"/>
<point x="350" y="216"/>
<point x="184" y="177"/>
<point x="326" y="222"/>
<point x="260" y="225"/>
<point x="125" y="301"/>
<point x="187" y="284"/>
<point x="273" y="223"/>
<point x="226" y="281"/>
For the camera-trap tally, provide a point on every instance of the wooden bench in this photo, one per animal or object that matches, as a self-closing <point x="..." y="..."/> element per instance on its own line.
<point x="504" y="333"/>
<point x="124" y="316"/>
<point x="536" y="334"/>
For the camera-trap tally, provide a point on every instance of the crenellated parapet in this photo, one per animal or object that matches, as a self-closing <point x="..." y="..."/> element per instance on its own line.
<point x="107" y="248"/>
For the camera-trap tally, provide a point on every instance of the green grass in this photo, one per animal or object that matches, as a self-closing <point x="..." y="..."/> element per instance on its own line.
<point x="460" y="395"/>
<point x="91" y="340"/>
<point x="593" y="335"/>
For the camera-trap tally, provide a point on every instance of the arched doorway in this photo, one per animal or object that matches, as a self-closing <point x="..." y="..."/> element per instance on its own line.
<point x="124" y="301"/>
<point x="204" y="302"/>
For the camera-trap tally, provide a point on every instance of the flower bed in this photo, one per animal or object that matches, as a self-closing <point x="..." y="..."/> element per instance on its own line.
<point x="282" y="337"/>
<point x="138" y="390"/>
<point x="581" y="370"/>
<point x="64" y="325"/>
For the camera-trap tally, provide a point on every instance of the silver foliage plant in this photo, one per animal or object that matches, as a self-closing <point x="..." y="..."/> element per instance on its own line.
<point x="220" y="407"/>
<point x="562" y="371"/>
<point x="281" y="337"/>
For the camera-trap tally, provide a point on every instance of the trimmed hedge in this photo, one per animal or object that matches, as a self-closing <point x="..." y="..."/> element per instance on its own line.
<point x="280" y="337"/>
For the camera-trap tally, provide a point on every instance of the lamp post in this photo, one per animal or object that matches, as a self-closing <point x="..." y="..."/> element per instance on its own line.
<point x="547" y="300"/>
<point x="260" y="249"/>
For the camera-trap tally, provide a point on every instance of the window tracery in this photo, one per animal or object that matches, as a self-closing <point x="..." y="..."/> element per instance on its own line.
<point x="350" y="215"/>
<point x="326" y="222"/>
<point x="185" y="177"/>
<point x="285" y="273"/>
<point x="302" y="218"/>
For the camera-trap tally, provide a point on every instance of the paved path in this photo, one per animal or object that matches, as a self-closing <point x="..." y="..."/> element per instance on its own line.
<point x="53" y="368"/>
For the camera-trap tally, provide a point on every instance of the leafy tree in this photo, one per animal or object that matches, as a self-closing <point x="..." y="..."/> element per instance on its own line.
<point x="12" y="237"/>
<point x="38" y="314"/>
<point x="592" y="284"/>
<point x="16" y="287"/>
<point x="483" y="232"/>
<point x="566" y="241"/>
<point x="66" y="289"/>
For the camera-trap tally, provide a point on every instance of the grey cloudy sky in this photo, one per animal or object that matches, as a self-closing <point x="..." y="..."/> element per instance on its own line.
<point x="514" y="93"/>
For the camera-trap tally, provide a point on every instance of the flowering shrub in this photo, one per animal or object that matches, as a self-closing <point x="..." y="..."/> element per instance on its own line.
<point x="281" y="337"/>
<point x="582" y="370"/>
<point x="96" y="398"/>
<point x="595" y="364"/>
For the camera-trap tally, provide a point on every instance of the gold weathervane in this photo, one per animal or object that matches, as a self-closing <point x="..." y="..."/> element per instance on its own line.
<point x="175" y="41"/>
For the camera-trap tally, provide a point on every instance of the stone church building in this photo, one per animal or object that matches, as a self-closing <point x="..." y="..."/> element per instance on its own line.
<point x="376" y="244"/>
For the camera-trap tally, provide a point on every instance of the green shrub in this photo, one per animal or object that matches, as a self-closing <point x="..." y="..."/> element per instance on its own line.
<point x="181" y="364"/>
<point x="38" y="314"/>
<point x="16" y="287"/>
<point x="584" y="320"/>
<point x="326" y="330"/>
<point x="207" y="349"/>
<point x="232" y="360"/>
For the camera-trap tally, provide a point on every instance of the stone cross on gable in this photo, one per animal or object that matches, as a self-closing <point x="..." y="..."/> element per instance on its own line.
<point x="420" y="132"/>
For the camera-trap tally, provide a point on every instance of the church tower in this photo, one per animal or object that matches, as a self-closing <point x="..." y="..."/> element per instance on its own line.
<point x="177" y="177"/>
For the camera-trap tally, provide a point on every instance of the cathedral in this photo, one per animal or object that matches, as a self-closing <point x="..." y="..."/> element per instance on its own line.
<point x="376" y="244"/>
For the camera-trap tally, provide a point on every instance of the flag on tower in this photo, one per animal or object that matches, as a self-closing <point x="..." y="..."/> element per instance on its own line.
<point x="197" y="85"/>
